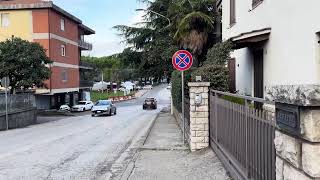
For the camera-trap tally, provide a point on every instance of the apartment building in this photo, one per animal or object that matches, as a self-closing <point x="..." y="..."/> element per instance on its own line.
<point x="276" y="45"/>
<point x="61" y="34"/>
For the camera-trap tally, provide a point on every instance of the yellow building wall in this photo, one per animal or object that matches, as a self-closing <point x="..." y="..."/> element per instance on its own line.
<point x="20" y="25"/>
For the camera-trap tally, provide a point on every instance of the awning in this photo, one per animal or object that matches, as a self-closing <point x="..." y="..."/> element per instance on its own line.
<point x="250" y="38"/>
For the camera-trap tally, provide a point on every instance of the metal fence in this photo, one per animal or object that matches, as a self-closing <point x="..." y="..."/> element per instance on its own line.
<point x="17" y="102"/>
<point x="243" y="135"/>
<point x="187" y="118"/>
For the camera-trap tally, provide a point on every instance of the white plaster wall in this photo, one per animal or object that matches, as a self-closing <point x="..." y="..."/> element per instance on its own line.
<point x="244" y="71"/>
<point x="291" y="55"/>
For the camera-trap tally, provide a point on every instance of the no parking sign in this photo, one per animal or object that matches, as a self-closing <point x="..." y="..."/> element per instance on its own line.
<point x="182" y="60"/>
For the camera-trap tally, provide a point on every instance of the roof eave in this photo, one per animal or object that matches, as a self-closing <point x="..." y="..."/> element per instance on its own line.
<point x="86" y="29"/>
<point x="40" y="5"/>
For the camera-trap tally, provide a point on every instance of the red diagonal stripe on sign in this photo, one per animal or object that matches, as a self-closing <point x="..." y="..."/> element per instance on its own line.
<point x="182" y="60"/>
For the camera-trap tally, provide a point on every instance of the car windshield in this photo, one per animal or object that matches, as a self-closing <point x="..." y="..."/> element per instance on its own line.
<point x="82" y="103"/>
<point x="103" y="103"/>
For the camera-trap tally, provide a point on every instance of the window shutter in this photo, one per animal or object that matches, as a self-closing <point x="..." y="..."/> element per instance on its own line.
<point x="232" y="12"/>
<point x="5" y="20"/>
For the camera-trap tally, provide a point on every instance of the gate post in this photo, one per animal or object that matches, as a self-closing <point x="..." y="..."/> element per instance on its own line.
<point x="297" y="140"/>
<point x="199" y="115"/>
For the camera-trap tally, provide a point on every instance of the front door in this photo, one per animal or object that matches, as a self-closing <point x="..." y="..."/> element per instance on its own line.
<point x="258" y="76"/>
<point x="232" y="75"/>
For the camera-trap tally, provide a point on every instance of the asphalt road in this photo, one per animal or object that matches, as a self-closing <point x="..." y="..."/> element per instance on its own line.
<point x="79" y="148"/>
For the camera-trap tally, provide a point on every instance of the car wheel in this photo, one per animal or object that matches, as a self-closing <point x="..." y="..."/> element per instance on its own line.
<point x="92" y="115"/>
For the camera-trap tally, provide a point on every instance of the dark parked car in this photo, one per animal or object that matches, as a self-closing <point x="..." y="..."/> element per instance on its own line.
<point x="104" y="107"/>
<point x="150" y="103"/>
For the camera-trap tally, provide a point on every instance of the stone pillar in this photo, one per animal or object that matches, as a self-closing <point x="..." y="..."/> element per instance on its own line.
<point x="199" y="115"/>
<point x="298" y="156"/>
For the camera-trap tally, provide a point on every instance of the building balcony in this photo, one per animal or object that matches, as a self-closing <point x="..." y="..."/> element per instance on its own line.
<point x="85" y="45"/>
<point x="84" y="84"/>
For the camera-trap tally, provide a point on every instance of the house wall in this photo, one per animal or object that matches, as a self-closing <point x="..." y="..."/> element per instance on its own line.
<point x="47" y="31"/>
<point x="244" y="71"/>
<point x="72" y="52"/>
<point x="71" y="31"/>
<point x="72" y="78"/>
<point x="20" y="25"/>
<point x="291" y="56"/>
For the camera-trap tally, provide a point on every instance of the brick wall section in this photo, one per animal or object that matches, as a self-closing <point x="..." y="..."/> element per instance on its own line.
<point x="72" y="78"/>
<point x="40" y="19"/>
<point x="48" y="21"/>
<point x="72" y="52"/>
<point x="71" y="28"/>
<point x="199" y="116"/>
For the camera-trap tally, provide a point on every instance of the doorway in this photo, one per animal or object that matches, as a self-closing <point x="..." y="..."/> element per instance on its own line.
<point x="258" y="76"/>
<point x="232" y="75"/>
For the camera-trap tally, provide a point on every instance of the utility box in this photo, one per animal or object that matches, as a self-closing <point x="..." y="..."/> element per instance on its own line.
<point x="288" y="118"/>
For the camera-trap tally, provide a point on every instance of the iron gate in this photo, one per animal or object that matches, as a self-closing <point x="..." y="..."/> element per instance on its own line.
<point x="242" y="135"/>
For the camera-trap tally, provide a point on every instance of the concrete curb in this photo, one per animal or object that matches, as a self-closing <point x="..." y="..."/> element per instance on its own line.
<point x="131" y="165"/>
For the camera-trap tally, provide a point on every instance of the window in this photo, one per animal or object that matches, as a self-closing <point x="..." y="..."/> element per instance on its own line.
<point x="63" y="50"/>
<point x="64" y="76"/>
<point x="5" y="22"/>
<point x="62" y="24"/>
<point x="256" y="2"/>
<point x="232" y="12"/>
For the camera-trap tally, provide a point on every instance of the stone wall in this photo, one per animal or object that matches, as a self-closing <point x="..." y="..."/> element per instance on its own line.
<point x="19" y="119"/>
<point x="199" y="116"/>
<point x="298" y="156"/>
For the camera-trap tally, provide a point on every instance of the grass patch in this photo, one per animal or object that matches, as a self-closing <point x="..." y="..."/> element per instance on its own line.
<point x="95" y="95"/>
<point x="234" y="99"/>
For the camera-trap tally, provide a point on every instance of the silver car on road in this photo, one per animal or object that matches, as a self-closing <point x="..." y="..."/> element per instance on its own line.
<point x="104" y="107"/>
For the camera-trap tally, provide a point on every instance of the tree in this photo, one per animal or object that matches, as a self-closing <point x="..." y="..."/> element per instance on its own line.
<point x="24" y="62"/>
<point x="215" y="69"/>
<point x="195" y="28"/>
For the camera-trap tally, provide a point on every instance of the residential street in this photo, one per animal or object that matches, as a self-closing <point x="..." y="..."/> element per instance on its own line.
<point x="79" y="148"/>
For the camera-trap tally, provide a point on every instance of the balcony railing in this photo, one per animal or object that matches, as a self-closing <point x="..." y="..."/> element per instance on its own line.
<point x="86" y="84"/>
<point x="85" y="45"/>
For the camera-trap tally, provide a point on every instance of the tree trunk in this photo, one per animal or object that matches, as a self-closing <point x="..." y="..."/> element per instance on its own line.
<point x="196" y="62"/>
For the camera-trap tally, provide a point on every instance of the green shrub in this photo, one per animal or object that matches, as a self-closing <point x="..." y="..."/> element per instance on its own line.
<point x="234" y="100"/>
<point x="176" y="87"/>
<point x="216" y="74"/>
<point x="176" y="90"/>
<point x="215" y="68"/>
<point x="219" y="54"/>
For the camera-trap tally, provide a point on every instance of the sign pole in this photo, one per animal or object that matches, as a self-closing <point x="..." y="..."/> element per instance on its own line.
<point x="182" y="60"/>
<point x="6" y="92"/>
<point x="183" y="104"/>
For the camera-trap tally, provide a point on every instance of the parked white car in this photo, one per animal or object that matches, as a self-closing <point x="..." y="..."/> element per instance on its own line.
<point x="122" y="89"/>
<point x="169" y="87"/>
<point x="149" y="87"/>
<point x="64" y="108"/>
<point x="82" y="106"/>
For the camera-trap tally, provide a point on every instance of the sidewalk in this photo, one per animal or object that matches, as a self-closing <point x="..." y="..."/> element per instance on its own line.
<point x="164" y="156"/>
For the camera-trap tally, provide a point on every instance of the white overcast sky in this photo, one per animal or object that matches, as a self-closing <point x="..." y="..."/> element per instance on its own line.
<point x="102" y="15"/>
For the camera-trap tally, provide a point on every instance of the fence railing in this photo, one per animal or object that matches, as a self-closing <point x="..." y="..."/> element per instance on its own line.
<point x="17" y="102"/>
<point x="187" y="118"/>
<point x="242" y="133"/>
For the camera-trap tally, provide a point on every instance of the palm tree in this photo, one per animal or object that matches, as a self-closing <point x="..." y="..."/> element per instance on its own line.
<point x="195" y="28"/>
